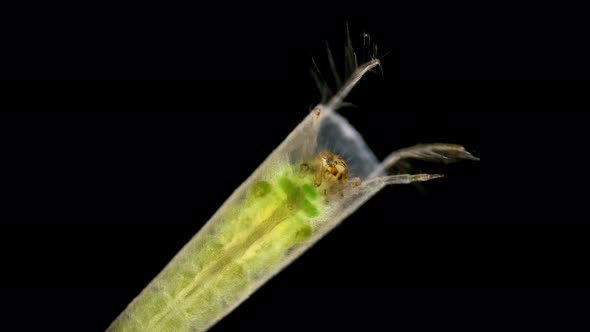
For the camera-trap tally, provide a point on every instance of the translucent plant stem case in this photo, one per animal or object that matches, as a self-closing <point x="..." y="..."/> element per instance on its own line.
<point x="321" y="173"/>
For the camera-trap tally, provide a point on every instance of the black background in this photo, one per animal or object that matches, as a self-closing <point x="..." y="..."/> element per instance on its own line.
<point x="103" y="190"/>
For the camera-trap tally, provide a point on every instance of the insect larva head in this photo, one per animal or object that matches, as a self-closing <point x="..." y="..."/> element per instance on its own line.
<point x="332" y="167"/>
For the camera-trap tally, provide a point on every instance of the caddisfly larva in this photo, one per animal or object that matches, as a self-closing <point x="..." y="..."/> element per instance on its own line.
<point x="298" y="194"/>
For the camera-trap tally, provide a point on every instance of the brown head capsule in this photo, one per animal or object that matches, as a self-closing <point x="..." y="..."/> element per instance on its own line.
<point x="332" y="168"/>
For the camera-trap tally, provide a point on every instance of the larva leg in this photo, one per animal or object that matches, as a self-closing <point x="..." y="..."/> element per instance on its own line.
<point x="445" y="153"/>
<point x="337" y="99"/>
<point x="377" y="183"/>
<point x="401" y="179"/>
<point x="408" y="178"/>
